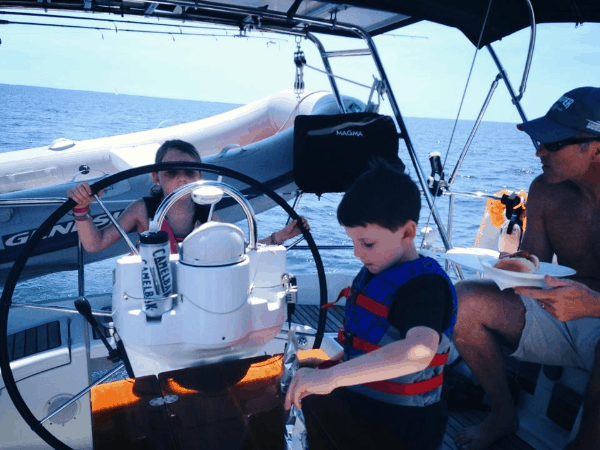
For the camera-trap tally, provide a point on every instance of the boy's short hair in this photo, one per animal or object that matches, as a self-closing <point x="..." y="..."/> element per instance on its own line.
<point x="384" y="196"/>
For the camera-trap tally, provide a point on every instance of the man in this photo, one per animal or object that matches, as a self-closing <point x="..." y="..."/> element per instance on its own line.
<point x="559" y="326"/>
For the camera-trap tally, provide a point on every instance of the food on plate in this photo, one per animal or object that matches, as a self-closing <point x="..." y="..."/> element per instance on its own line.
<point x="521" y="261"/>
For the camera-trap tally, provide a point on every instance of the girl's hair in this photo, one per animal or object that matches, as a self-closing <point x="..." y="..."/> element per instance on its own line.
<point x="166" y="147"/>
<point x="176" y="144"/>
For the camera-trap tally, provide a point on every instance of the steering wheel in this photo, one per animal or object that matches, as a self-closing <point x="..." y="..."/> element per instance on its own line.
<point x="17" y="268"/>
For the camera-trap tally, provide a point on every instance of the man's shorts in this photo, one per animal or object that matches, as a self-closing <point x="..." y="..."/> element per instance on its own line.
<point x="547" y="340"/>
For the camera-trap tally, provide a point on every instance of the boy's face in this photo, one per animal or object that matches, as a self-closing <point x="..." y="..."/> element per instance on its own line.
<point x="379" y="248"/>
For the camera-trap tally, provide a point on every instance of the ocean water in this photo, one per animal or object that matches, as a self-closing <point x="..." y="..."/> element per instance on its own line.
<point x="500" y="157"/>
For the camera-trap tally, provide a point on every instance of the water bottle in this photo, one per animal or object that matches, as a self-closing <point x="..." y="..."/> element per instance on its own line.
<point x="157" y="279"/>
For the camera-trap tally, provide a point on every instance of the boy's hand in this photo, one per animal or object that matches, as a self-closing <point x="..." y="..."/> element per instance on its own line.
<point x="567" y="300"/>
<point x="306" y="382"/>
<point x="82" y="194"/>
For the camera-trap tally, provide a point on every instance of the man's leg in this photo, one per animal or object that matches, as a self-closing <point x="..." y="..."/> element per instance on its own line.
<point x="588" y="437"/>
<point x="486" y="314"/>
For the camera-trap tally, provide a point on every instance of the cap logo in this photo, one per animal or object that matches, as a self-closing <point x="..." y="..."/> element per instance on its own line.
<point x="563" y="103"/>
<point x="595" y="126"/>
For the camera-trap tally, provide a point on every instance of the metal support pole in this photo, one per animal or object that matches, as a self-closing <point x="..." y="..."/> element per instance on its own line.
<point x="530" y="50"/>
<point x="509" y="87"/>
<point x="404" y="134"/>
<point x="457" y="269"/>
<point x="332" y="82"/>
<point x="80" y="269"/>
<point x="472" y="135"/>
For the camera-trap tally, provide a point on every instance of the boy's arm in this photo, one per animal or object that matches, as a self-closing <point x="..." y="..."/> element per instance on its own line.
<point x="399" y="358"/>
<point x="409" y="355"/>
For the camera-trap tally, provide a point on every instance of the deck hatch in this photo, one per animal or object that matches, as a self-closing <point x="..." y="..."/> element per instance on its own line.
<point x="34" y="340"/>
<point x="564" y="406"/>
<point x="524" y="374"/>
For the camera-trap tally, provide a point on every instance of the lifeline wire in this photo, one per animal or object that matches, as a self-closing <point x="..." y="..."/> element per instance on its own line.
<point x="129" y="30"/>
<point x="487" y="13"/>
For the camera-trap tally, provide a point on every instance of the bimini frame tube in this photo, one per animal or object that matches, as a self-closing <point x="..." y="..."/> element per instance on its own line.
<point x="463" y="154"/>
<point x="332" y="82"/>
<point x="404" y="135"/>
<point x="516" y="99"/>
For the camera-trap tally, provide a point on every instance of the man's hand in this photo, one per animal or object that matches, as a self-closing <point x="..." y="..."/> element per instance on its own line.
<point x="567" y="300"/>
<point x="306" y="382"/>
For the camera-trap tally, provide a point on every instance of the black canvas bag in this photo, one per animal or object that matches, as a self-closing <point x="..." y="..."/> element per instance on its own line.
<point x="331" y="151"/>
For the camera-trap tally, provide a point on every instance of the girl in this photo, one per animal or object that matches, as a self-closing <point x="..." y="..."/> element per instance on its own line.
<point x="181" y="219"/>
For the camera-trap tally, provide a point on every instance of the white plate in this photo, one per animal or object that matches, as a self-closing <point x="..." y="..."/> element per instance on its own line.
<point x="470" y="257"/>
<point x="507" y="278"/>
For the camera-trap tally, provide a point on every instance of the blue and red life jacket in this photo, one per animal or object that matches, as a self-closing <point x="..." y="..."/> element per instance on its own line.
<point x="366" y="328"/>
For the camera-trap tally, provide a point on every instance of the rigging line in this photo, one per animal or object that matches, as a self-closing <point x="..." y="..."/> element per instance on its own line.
<point x="296" y="108"/>
<point x="98" y="19"/>
<point x="128" y="30"/>
<point x="331" y="74"/>
<point x="487" y="13"/>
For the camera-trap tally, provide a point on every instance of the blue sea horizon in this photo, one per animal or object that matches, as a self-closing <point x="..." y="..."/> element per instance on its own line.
<point x="500" y="157"/>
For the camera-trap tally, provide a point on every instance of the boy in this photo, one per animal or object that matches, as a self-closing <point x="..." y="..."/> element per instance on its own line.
<point x="397" y="310"/>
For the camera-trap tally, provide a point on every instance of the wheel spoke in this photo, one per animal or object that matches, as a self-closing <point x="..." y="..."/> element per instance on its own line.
<point x="81" y="393"/>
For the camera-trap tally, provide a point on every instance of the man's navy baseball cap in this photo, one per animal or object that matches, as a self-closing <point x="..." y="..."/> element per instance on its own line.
<point x="577" y="111"/>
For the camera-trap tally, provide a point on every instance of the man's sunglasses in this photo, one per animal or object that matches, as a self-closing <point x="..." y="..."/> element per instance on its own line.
<point x="556" y="146"/>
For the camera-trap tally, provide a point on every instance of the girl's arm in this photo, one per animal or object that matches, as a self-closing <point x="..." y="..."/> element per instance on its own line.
<point x="93" y="239"/>
<point x="409" y="355"/>
<point x="289" y="231"/>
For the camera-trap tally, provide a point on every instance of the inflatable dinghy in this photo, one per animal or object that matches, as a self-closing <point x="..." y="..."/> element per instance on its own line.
<point x="255" y="139"/>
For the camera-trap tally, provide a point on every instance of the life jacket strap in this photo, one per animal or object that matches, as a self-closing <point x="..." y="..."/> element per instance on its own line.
<point x="420" y="387"/>
<point x="346" y="292"/>
<point x="363" y="301"/>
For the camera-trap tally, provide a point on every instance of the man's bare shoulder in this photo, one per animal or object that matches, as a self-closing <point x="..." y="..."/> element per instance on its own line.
<point x="547" y="195"/>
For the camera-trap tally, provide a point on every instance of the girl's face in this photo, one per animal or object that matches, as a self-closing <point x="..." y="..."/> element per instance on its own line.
<point x="170" y="180"/>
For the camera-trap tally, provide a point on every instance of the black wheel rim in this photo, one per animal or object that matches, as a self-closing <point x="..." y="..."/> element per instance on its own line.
<point x="19" y="264"/>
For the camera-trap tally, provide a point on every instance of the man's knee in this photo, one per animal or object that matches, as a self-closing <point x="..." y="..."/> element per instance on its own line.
<point x="471" y="306"/>
<point x="475" y="297"/>
<point x="467" y="290"/>
<point x="481" y="302"/>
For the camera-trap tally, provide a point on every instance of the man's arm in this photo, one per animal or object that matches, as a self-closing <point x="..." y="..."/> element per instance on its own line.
<point x="535" y="239"/>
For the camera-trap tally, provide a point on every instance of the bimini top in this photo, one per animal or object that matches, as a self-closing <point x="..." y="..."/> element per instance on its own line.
<point x="373" y="16"/>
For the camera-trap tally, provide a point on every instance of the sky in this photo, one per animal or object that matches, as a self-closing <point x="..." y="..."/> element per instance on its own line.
<point x="427" y="64"/>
